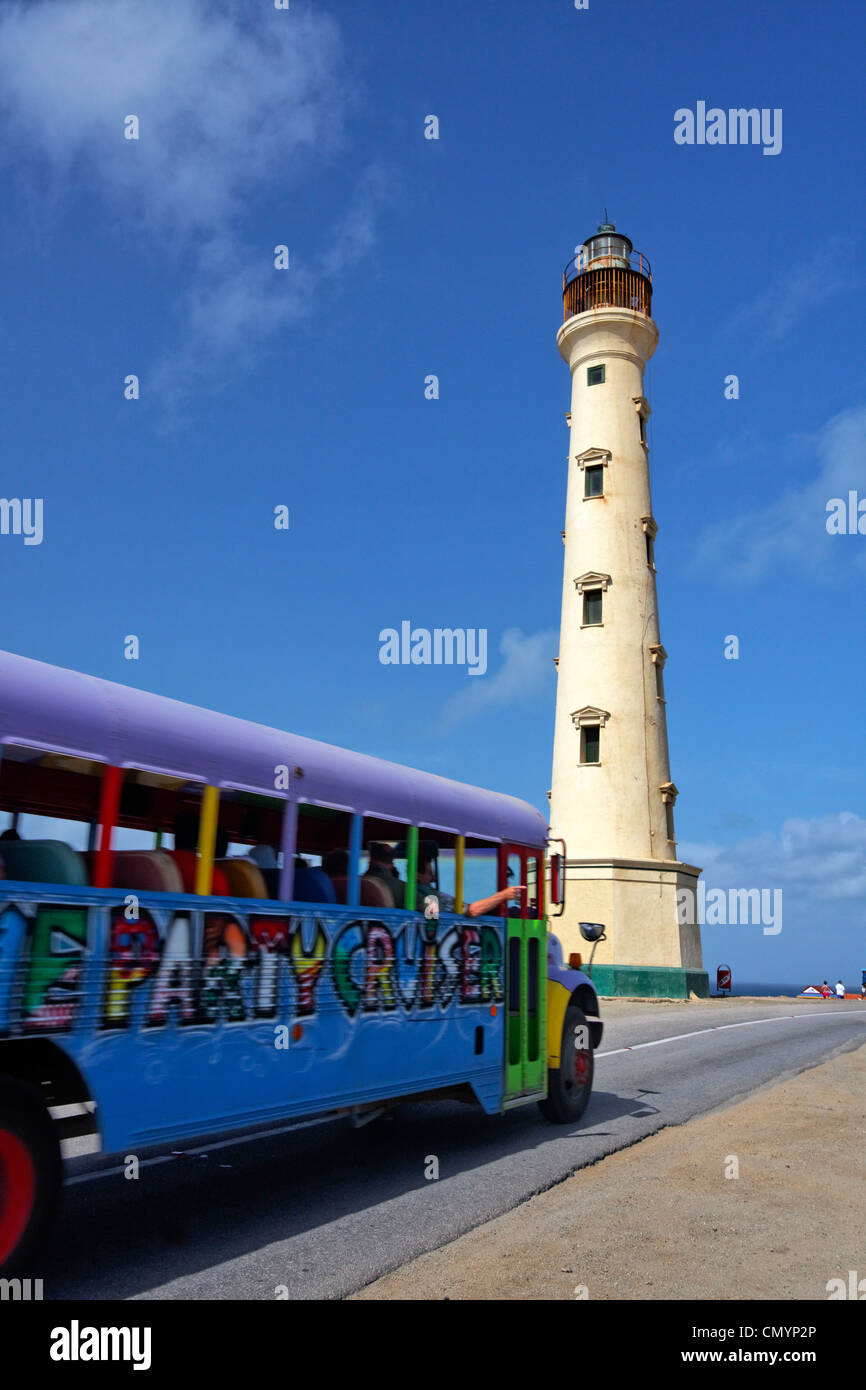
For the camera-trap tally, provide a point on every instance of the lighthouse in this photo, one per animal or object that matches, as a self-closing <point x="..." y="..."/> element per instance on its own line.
<point x="612" y="798"/>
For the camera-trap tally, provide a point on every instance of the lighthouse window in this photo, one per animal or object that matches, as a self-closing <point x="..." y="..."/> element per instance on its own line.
<point x="595" y="375"/>
<point x="591" y="607"/>
<point x="590" y="741"/>
<point x="669" y="818"/>
<point x="650" y="550"/>
<point x="594" y="480"/>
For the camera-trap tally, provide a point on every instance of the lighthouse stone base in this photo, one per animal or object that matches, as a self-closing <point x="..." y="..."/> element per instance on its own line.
<point x="653" y="945"/>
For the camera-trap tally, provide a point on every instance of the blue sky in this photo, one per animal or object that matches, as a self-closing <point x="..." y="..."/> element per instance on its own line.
<point x="409" y="257"/>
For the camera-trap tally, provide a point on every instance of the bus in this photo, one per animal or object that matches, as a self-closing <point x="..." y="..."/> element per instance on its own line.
<point x="194" y="939"/>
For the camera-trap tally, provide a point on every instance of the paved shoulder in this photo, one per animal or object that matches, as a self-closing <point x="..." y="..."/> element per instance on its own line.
<point x="763" y="1200"/>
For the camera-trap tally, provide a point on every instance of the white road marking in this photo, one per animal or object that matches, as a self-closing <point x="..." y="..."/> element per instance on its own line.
<point x="720" y="1027"/>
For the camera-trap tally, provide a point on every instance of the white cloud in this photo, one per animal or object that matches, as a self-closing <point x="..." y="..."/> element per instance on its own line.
<point x="819" y="865"/>
<point x="526" y="671"/>
<point x="227" y="95"/>
<point x="814" y="859"/>
<point x="239" y="301"/>
<point x="822" y="272"/>
<point x="791" y="531"/>
<point x="233" y="99"/>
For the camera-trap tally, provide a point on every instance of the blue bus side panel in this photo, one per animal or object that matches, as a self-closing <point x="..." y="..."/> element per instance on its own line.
<point x="188" y="1016"/>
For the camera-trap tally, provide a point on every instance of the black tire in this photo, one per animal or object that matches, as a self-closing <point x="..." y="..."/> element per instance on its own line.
<point x="569" y="1086"/>
<point x="31" y="1172"/>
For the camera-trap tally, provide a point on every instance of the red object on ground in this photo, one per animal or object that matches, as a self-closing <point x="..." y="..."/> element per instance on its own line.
<point x="723" y="977"/>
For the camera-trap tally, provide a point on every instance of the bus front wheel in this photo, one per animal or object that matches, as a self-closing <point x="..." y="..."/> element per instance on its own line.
<point x="30" y="1174"/>
<point x="569" y="1085"/>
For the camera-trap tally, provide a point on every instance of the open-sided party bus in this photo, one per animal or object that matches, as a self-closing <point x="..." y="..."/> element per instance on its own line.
<point x="206" y="924"/>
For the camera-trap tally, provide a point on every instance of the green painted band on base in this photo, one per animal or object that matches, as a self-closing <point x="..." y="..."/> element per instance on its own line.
<point x="650" y="981"/>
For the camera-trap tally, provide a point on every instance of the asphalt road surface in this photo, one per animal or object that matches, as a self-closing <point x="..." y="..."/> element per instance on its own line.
<point x="318" y="1212"/>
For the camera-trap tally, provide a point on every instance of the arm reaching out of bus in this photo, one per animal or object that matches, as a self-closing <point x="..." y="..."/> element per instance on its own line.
<point x="486" y="905"/>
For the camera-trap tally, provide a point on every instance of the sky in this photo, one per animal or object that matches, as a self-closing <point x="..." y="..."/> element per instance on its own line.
<point x="306" y="387"/>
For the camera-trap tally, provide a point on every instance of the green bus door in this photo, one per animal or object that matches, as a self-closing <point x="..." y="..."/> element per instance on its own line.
<point x="526" y="996"/>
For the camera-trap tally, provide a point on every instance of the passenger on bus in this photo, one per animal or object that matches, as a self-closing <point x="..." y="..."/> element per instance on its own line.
<point x="9" y="834"/>
<point x="185" y="854"/>
<point x="336" y="863"/>
<point x="265" y="857"/>
<point x="312" y="885"/>
<point x="485" y="906"/>
<point x="428" y="875"/>
<point x="382" y="866"/>
<point x="428" y="854"/>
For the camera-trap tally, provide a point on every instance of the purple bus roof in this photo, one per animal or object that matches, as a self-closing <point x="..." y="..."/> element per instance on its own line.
<point x="56" y="710"/>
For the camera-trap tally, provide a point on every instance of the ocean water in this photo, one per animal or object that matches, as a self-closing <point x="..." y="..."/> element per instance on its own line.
<point x="763" y="990"/>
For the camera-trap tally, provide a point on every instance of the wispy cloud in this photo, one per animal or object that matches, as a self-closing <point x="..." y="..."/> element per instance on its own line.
<point x="234" y="100"/>
<point x="792" y="530"/>
<point x="525" y="673"/>
<point x="819" y="858"/>
<point x="237" y="302"/>
<point x="820" y="867"/>
<point x="821" y="274"/>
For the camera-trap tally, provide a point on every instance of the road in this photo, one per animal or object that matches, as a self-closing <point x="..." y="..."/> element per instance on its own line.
<point x="319" y="1212"/>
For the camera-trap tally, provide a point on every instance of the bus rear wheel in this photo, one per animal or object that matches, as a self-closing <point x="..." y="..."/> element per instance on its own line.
<point x="569" y="1085"/>
<point x="30" y="1175"/>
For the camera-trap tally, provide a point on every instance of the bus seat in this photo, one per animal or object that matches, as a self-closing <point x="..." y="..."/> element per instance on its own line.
<point x="340" y="884"/>
<point x="246" y="879"/>
<point x="312" y="885"/>
<point x="151" y="870"/>
<point x="43" y="861"/>
<point x="374" y="893"/>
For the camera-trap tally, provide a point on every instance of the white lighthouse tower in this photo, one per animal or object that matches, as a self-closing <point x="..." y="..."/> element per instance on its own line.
<point x="612" y="798"/>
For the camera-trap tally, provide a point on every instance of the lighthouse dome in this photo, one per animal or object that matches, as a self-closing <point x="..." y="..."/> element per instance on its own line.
<point x="608" y="247"/>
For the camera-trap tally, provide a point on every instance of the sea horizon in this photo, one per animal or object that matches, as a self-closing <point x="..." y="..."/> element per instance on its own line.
<point x="762" y="989"/>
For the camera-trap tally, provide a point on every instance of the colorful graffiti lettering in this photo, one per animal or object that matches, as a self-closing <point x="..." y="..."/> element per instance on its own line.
<point x="308" y="965"/>
<point x="52" y="983"/>
<point x="257" y="967"/>
<point x="427" y="969"/>
<point x="270" y="938"/>
<point x="422" y="963"/>
<point x="379" y="984"/>
<point x="225" y="957"/>
<point x="134" y="955"/>
<point x="470" y="965"/>
<point x="174" y="985"/>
